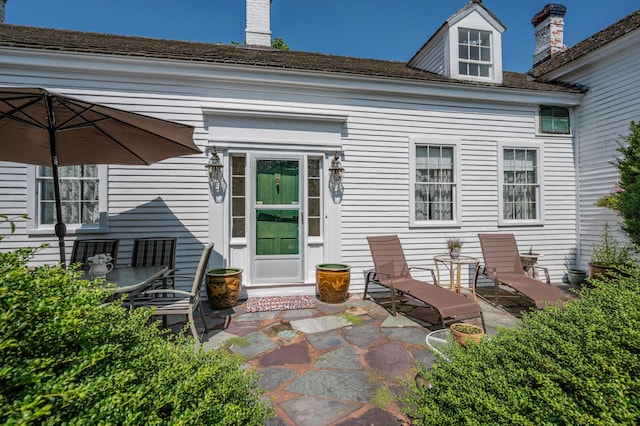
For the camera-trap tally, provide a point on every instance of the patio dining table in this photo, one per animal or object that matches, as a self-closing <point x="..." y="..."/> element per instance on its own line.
<point x="131" y="279"/>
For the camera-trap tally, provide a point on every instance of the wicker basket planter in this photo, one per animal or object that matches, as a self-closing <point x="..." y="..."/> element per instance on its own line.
<point x="464" y="333"/>
<point x="223" y="287"/>
<point x="332" y="281"/>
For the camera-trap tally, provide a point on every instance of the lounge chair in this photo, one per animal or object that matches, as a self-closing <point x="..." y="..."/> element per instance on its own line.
<point x="391" y="271"/>
<point x="502" y="264"/>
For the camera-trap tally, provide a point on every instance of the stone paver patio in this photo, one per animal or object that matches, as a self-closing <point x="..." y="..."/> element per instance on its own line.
<point x="319" y="368"/>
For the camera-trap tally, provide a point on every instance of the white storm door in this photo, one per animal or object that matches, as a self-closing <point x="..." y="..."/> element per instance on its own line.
<point x="277" y="219"/>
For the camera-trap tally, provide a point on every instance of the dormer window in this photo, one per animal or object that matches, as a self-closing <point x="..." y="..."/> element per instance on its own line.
<point x="468" y="46"/>
<point x="474" y="52"/>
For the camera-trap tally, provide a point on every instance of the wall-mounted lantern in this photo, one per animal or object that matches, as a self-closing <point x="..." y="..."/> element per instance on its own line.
<point x="336" y="172"/>
<point x="214" y="165"/>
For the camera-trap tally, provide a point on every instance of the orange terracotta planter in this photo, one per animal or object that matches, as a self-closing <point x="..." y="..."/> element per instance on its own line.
<point x="223" y="287"/>
<point x="332" y="281"/>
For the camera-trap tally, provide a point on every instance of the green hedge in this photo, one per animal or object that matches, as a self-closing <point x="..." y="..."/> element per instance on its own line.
<point x="576" y="366"/>
<point x="64" y="359"/>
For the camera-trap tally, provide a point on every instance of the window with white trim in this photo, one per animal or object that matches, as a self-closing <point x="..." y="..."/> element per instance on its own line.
<point x="554" y="120"/>
<point x="521" y="193"/>
<point x="474" y="53"/>
<point x="238" y="196"/>
<point x="435" y="180"/>
<point x="314" y="199"/>
<point x="79" y="194"/>
<point x="83" y="193"/>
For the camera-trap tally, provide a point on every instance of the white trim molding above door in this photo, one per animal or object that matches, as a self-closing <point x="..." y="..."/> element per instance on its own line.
<point x="272" y="129"/>
<point x="268" y="135"/>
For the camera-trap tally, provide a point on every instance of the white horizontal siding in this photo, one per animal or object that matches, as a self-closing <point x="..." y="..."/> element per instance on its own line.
<point x="172" y="198"/>
<point x="380" y="200"/>
<point x="607" y="110"/>
<point x="432" y="59"/>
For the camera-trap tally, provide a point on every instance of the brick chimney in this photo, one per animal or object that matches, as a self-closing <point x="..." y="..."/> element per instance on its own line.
<point x="258" y="31"/>
<point x="2" y="3"/>
<point x="549" y="30"/>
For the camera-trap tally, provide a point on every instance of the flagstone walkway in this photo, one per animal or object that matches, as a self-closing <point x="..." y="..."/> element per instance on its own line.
<point x="337" y="364"/>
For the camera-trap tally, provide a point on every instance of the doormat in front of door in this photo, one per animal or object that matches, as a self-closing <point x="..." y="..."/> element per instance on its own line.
<point x="279" y="303"/>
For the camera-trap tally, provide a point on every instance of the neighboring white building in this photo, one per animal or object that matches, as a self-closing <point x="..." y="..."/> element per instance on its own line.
<point x="607" y="64"/>
<point x="448" y="144"/>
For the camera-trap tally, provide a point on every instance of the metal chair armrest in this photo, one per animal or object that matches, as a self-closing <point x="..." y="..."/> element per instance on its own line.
<point x="372" y="277"/>
<point x="433" y="274"/>
<point x="172" y="291"/>
<point x="494" y="273"/>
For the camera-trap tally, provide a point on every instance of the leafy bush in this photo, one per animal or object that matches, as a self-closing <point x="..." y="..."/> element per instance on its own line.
<point x="68" y="360"/>
<point x="611" y="252"/>
<point x="628" y="165"/>
<point x="578" y="366"/>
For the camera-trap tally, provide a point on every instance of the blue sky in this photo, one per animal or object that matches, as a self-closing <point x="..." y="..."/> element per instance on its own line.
<point x="382" y="29"/>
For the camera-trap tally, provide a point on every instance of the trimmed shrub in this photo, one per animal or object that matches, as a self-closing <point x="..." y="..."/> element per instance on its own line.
<point x="629" y="197"/>
<point x="66" y="359"/>
<point x="578" y="366"/>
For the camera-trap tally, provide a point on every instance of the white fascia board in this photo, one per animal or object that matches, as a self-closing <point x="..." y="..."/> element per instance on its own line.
<point x="464" y="14"/>
<point x="112" y="67"/>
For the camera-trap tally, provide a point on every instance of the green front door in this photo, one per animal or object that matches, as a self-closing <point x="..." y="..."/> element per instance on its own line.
<point x="278" y="219"/>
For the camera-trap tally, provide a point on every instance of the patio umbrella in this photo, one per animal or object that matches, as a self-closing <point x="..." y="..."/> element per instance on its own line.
<point x="44" y="128"/>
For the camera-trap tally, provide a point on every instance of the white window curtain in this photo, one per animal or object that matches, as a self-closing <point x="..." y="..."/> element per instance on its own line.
<point x="520" y="186"/>
<point x="79" y="193"/>
<point x="434" y="189"/>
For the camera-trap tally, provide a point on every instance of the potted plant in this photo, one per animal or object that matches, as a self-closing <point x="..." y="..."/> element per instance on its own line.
<point x="576" y="276"/>
<point x="332" y="282"/>
<point x="465" y="333"/>
<point x="454" y="245"/>
<point x="223" y="287"/>
<point x="609" y="255"/>
<point x="100" y="265"/>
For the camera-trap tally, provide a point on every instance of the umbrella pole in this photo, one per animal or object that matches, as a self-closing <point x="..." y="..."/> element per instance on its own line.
<point x="60" y="227"/>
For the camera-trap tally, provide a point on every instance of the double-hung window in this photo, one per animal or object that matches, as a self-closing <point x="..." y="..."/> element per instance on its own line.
<point x="435" y="177"/>
<point x="82" y="195"/>
<point x="474" y="53"/>
<point x="521" y="188"/>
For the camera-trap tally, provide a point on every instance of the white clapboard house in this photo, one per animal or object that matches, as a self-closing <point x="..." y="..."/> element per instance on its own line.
<point x="445" y="145"/>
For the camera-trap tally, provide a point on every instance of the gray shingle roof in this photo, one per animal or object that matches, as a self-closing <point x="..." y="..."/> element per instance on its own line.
<point x="108" y="44"/>
<point x="624" y="26"/>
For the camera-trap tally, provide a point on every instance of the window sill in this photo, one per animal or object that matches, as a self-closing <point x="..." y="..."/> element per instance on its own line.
<point x="507" y="224"/>
<point x="435" y="224"/>
<point x="71" y="230"/>
<point x="553" y="135"/>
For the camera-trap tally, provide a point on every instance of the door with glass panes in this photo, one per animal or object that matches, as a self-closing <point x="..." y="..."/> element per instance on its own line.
<point x="277" y="219"/>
